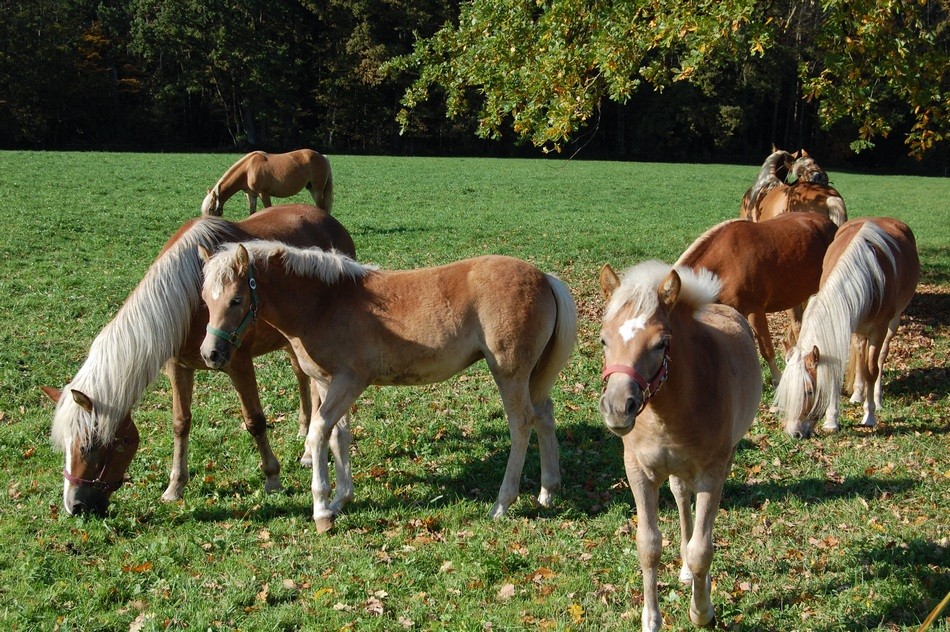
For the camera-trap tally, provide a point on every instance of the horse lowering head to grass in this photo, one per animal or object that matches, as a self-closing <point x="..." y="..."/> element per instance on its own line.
<point x="162" y="323"/>
<point x="262" y="175"/>
<point x="682" y="385"/>
<point x="355" y="326"/>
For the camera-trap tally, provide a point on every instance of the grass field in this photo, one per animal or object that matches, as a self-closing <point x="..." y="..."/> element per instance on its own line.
<point x="842" y="532"/>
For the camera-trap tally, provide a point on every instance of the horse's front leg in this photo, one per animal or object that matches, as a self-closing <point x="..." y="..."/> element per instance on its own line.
<point x="646" y="495"/>
<point x="872" y="370"/>
<point x="699" y="551"/>
<point x="251" y="203"/>
<point x="760" y="325"/>
<point x="340" y="395"/>
<point x="305" y="409"/>
<point x="684" y="502"/>
<point x="265" y="198"/>
<point x="340" y="440"/>
<point x="241" y="372"/>
<point x="182" y="382"/>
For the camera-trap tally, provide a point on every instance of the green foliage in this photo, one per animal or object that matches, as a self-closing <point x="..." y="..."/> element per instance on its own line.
<point x="845" y="532"/>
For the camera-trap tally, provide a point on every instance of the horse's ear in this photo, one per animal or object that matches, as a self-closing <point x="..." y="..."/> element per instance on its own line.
<point x="204" y="254"/>
<point x="794" y="156"/>
<point x="774" y="148"/>
<point x="670" y="289"/>
<point x="82" y="399"/>
<point x="811" y="360"/>
<point x="243" y="259"/>
<point x="609" y="281"/>
<point x="804" y="153"/>
<point x="53" y="393"/>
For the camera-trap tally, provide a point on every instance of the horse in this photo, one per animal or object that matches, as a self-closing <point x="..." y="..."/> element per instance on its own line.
<point x="765" y="267"/>
<point x="682" y="385"/>
<point x="263" y="175"/>
<point x="869" y="276"/>
<point x="771" y="196"/>
<point x="162" y="323"/>
<point x="805" y="169"/>
<point x="353" y="326"/>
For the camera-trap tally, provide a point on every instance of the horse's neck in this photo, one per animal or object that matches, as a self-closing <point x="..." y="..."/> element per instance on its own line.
<point x="235" y="178"/>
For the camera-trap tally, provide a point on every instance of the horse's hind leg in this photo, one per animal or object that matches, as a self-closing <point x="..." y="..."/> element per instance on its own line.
<point x="305" y="407"/>
<point x="241" y="372"/>
<point x="520" y="414"/>
<point x="547" y="445"/>
<point x="251" y="203"/>
<point x="684" y="502"/>
<point x="182" y="381"/>
<point x="760" y="325"/>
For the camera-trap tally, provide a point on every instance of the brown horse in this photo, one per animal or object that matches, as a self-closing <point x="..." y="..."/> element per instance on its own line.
<point x="765" y="267"/>
<point x="870" y="275"/>
<point x="263" y="175"/>
<point x="163" y="322"/>
<point x="681" y="386"/>
<point x="771" y="196"/>
<point x="355" y="326"/>
<point x="805" y="169"/>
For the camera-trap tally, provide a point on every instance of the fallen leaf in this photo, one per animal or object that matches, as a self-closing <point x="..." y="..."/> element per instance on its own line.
<point x="506" y="592"/>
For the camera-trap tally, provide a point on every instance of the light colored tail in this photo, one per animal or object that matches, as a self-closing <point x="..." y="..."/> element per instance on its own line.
<point x="328" y="191"/>
<point x="561" y="345"/>
<point x="837" y="211"/>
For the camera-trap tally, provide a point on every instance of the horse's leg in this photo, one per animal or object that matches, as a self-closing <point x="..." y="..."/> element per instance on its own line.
<point x="684" y="502"/>
<point x="794" y="325"/>
<point x="251" y="203"/>
<point x="303" y="388"/>
<point x="520" y="414"/>
<point x="340" y="440"/>
<point x="699" y="551"/>
<point x="183" y="382"/>
<point x="760" y="325"/>
<point x="646" y="495"/>
<point x="241" y="372"/>
<point x="873" y="374"/>
<point x="547" y="445"/>
<point x="885" y="350"/>
<point x="340" y="395"/>
<point x="265" y="198"/>
<point x="853" y="374"/>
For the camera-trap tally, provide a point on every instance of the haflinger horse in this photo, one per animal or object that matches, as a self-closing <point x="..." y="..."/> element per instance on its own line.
<point x="263" y="175"/>
<point x="869" y="277"/>
<point x="805" y="169"/>
<point x="163" y="323"/>
<point x="765" y="267"/>
<point x="682" y="385"/>
<point x="354" y="326"/>
<point x="771" y="196"/>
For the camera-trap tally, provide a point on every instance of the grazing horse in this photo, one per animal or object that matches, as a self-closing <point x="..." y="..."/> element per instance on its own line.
<point x="805" y="169"/>
<point x="263" y="175"/>
<point x="765" y="267"/>
<point x="163" y="322"/>
<point x="355" y="326"/>
<point x="771" y="196"/>
<point x="870" y="275"/>
<point x="682" y="385"/>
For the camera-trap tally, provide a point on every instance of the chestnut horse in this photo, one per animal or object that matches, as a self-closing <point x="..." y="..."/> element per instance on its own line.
<point x="765" y="267"/>
<point x="805" y="169"/>
<point x="870" y="275"/>
<point x="163" y="322"/>
<point x="263" y="175"/>
<point x="355" y="326"/>
<point x="681" y="387"/>
<point x="771" y="196"/>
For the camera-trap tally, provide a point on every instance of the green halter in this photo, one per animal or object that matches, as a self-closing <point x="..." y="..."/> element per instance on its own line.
<point x="250" y="317"/>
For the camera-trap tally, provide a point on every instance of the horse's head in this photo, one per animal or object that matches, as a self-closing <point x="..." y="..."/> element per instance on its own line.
<point x="95" y="467"/>
<point x="805" y="169"/>
<point x="212" y="204"/>
<point x="796" y="395"/>
<point x="231" y="297"/>
<point x="635" y="336"/>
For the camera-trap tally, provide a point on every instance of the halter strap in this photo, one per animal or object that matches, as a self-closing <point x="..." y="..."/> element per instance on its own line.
<point x="235" y="337"/>
<point x="99" y="482"/>
<point x="649" y="388"/>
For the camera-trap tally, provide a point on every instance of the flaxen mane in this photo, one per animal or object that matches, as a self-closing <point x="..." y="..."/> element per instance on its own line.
<point x="640" y="283"/>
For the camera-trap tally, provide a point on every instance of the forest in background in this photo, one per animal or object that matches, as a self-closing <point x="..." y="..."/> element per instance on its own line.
<point x="200" y="75"/>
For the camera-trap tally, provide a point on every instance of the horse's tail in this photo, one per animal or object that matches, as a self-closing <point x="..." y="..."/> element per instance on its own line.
<point x="323" y="197"/>
<point x="836" y="210"/>
<point x="328" y="190"/>
<point x="561" y="345"/>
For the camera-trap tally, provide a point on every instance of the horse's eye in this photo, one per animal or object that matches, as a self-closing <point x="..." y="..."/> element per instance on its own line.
<point x="603" y="343"/>
<point x="235" y="301"/>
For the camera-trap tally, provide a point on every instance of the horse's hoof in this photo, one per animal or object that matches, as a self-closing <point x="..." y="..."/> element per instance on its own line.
<point x="170" y="496"/>
<point x="272" y="486"/>
<point x="306" y="462"/>
<point x="686" y="575"/>
<point x="545" y="499"/>
<point x="498" y="512"/>
<point x="323" y="524"/>
<point x="705" y="620"/>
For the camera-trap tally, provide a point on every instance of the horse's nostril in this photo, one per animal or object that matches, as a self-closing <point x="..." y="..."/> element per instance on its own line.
<point x="798" y="435"/>
<point x="631" y="406"/>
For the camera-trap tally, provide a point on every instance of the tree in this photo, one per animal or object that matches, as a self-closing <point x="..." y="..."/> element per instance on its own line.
<point x="544" y="66"/>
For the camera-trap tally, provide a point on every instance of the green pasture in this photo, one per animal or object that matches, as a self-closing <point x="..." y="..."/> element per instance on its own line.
<point x="842" y="532"/>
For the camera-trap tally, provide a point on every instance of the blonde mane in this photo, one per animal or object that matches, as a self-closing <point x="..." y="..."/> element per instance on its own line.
<point x="854" y="288"/>
<point x="326" y="266"/>
<point x="639" y="285"/>
<point x="229" y="173"/>
<point x="702" y="240"/>
<point x="148" y="329"/>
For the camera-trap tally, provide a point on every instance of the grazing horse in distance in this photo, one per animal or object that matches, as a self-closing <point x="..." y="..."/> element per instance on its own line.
<point x="355" y="326"/>
<point x="805" y="169"/>
<point x="162" y="323"/>
<point x="870" y="273"/>
<point x="771" y="196"/>
<point x="263" y="175"/>
<point x="682" y="385"/>
<point x="765" y="267"/>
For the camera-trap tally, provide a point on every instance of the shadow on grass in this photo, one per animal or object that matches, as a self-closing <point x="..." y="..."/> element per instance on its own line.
<point x="812" y="490"/>
<point x="933" y="380"/>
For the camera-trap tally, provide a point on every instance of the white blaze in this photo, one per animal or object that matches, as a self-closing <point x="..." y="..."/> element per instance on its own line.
<point x="630" y="328"/>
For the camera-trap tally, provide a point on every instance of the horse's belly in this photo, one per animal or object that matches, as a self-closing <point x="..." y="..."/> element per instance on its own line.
<point x="423" y="368"/>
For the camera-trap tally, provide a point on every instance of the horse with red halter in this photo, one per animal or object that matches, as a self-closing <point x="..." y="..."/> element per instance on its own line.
<point x="162" y="323"/>
<point x="355" y="326"/>
<point x="870" y="273"/>
<point x="770" y="196"/>
<point x="765" y="267"/>
<point x="263" y="175"/>
<point x="682" y="385"/>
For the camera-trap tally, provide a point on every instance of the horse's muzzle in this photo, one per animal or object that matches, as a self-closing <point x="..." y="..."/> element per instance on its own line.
<point x="82" y="500"/>
<point x="215" y="355"/>
<point x="619" y="422"/>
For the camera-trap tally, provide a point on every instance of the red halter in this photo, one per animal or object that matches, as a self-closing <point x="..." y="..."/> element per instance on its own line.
<point x="649" y="388"/>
